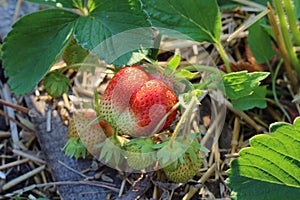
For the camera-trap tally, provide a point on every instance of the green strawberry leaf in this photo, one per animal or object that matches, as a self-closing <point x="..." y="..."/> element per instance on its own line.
<point x="61" y="3"/>
<point x="111" y="31"/>
<point x="260" y="42"/>
<point x="256" y="99"/>
<point x="297" y="8"/>
<point x="241" y="84"/>
<point x="119" y="24"/>
<point x="177" y="18"/>
<point x="27" y="54"/>
<point x="74" y="53"/>
<point x="269" y="168"/>
<point x="225" y="4"/>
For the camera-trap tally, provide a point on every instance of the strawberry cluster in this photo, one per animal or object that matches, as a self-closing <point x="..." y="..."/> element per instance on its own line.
<point x="139" y="104"/>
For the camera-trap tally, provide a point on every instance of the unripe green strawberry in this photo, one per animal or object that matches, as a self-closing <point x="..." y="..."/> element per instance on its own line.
<point x="180" y="157"/>
<point x="184" y="170"/>
<point x="82" y="135"/>
<point x="74" y="146"/>
<point x="56" y="84"/>
<point x="72" y="130"/>
<point x="140" y="153"/>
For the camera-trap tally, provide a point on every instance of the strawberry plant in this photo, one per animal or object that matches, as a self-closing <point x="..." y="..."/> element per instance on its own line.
<point x="145" y="116"/>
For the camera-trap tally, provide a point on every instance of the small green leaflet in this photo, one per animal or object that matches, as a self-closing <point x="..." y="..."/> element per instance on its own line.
<point x="256" y="99"/>
<point x="241" y="84"/>
<point x="188" y="19"/>
<point x="270" y="167"/>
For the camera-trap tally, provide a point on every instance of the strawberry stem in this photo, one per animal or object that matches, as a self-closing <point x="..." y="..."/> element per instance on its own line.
<point x="186" y="113"/>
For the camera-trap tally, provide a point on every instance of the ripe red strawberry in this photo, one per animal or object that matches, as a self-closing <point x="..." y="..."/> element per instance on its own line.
<point x="147" y="108"/>
<point x="119" y="90"/>
<point x="135" y="105"/>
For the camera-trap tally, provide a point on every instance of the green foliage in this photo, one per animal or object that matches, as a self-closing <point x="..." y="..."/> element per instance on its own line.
<point x="225" y="4"/>
<point x="113" y="29"/>
<point x="297" y="8"/>
<point x="28" y="61"/>
<point x="255" y="99"/>
<point x="269" y="169"/>
<point x="61" y="3"/>
<point x="184" y="20"/>
<point x="74" y="53"/>
<point x="260" y="42"/>
<point x="28" y="54"/>
<point x="183" y="73"/>
<point x="243" y="89"/>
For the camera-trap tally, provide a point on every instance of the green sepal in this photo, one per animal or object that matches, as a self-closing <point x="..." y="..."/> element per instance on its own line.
<point x="174" y="62"/>
<point x="143" y="145"/>
<point x="172" y="153"/>
<point x="110" y="150"/>
<point x="75" y="148"/>
<point x="183" y="73"/>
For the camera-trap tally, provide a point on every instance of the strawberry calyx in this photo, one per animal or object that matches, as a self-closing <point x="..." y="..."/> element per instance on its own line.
<point x="182" y="158"/>
<point x="141" y="145"/>
<point x="110" y="150"/>
<point x="75" y="148"/>
<point x="140" y="153"/>
<point x="174" y="152"/>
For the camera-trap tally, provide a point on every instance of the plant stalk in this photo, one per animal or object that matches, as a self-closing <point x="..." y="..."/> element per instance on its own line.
<point x="223" y="56"/>
<point x="182" y="118"/>
<point x="282" y="49"/>
<point x="286" y="36"/>
<point x="292" y="21"/>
